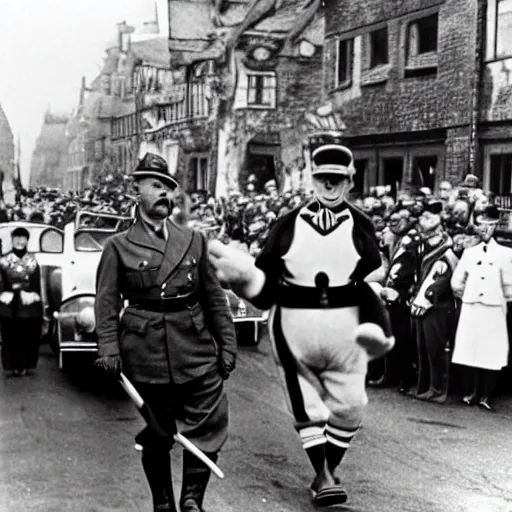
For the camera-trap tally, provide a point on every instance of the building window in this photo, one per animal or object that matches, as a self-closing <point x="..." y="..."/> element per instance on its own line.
<point x="422" y="36"/>
<point x="199" y="168"/>
<point x="261" y="90"/>
<point x="379" y="47"/>
<point x="499" y="29"/>
<point x="421" y="47"/>
<point x="344" y="62"/>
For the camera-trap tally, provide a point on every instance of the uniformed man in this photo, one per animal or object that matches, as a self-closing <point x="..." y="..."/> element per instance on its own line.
<point x="433" y="306"/>
<point x="175" y="338"/>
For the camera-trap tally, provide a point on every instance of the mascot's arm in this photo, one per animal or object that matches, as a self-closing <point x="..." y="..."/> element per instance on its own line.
<point x="256" y="281"/>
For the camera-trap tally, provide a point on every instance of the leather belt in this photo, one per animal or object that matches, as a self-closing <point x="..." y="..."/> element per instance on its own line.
<point x="165" y="304"/>
<point x="305" y="297"/>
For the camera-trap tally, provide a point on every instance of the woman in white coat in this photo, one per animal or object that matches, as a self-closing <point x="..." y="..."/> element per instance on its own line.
<point x="482" y="280"/>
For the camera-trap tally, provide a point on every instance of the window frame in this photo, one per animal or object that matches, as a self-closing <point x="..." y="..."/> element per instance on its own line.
<point x="262" y="76"/>
<point x="491" y="43"/>
<point x="424" y="63"/>
<point x="371" y="52"/>
<point x="349" y="56"/>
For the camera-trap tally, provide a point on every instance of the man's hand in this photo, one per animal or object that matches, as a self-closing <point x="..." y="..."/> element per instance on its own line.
<point x="6" y="297"/>
<point x="227" y="363"/>
<point x="235" y="267"/>
<point x="111" y="364"/>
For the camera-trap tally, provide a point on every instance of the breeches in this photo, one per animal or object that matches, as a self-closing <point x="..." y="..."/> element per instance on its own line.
<point x="198" y="409"/>
<point x="322" y="368"/>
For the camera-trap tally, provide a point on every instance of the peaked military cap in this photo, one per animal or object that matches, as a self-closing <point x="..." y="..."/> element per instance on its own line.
<point x="154" y="166"/>
<point x="333" y="159"/>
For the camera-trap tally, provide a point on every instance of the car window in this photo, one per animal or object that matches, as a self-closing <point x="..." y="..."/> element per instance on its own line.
<point x="52" y="241"/>
<point x="92" y="241"/>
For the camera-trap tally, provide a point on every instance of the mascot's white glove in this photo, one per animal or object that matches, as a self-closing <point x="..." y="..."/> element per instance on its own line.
<point x="6" y="297"/>
<point x="235" y="267"/>
<point x="28" y="298"/>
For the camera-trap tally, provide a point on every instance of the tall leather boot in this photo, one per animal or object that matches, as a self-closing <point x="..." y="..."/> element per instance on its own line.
<point x="157" y="467"/>
<point x="195" y="480"/>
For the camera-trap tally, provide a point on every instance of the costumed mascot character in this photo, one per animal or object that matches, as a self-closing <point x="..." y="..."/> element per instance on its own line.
<point x="326" y="322"/>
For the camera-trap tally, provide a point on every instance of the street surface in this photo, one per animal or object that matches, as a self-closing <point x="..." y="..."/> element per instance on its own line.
<point x="66" y="444"/>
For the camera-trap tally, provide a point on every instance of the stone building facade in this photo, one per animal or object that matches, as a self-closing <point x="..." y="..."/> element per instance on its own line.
<point x="6" y="157"/>
<point x="49" y="158"/>
<point x="262" y="69"/>
<point x="405" y="78"/>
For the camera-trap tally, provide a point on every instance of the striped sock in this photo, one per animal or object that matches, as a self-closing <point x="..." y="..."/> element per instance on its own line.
<point x="313" y="442"/>
<point x="338" y="441"/>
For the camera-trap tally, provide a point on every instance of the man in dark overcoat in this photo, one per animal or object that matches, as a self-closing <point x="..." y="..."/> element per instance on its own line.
<point x="162" y="317"/>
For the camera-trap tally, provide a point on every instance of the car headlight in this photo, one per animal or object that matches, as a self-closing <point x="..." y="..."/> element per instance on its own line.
<point x="76" y="318"/>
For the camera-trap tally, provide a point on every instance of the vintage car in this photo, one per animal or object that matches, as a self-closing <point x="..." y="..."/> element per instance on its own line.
<point x="75" y="327"/>
<point x="83" y="243"/>
<point x="46" y="242"/>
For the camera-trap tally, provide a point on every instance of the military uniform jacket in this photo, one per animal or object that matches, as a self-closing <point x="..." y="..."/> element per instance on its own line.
<point x="160" y="347"/>
<point x="18" y="274"/>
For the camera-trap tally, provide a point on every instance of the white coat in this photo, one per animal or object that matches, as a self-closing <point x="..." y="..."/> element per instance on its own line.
<point x="483" y="280"/>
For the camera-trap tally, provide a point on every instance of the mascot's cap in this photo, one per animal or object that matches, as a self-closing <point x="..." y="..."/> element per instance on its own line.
<point x="20" y="232"/>
<point x="333" y="159"/>
<point x="154" y="166"/>
<point x="434" y="206"/>
<point x="491" y="215"/>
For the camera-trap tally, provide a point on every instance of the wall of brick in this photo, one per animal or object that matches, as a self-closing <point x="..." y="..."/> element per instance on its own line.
<point x="299" y="90"/>
<point x="456" y="154"/>
<point x="393" y="103"/>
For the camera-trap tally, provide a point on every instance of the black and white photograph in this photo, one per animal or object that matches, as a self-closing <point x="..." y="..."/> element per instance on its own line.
<point x="256" y="255"/>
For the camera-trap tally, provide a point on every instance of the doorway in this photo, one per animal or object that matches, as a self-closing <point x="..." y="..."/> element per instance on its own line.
<point x="393" y="173"/>
<point x="424" y="171"/>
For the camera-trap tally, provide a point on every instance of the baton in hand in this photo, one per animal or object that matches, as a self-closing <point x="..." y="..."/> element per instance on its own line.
<point x="150" y="419"/>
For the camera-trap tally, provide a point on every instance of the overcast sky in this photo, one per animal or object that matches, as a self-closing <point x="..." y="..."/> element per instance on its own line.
<point x="46" y="46"/>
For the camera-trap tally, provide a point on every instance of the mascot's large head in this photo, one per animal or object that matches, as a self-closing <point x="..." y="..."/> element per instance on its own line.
<point x="333" y="172"/>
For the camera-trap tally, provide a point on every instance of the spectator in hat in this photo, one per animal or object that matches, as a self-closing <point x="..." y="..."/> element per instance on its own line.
<point x="432" y="306"/>
<point x="21" y="310"/>
<point x="482" y="280"/>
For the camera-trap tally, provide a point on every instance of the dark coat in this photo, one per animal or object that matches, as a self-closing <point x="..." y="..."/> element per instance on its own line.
<point x="159" y="347"/>
<point x="18" y="274"/>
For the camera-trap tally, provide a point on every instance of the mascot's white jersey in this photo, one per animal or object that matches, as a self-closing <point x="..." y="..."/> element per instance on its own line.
<point x="324" y="338"/>
<point x="311" y="252"/>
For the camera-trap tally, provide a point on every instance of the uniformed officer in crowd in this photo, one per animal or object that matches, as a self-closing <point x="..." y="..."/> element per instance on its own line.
<point x="175" y="338"/>
<point x="21" y="310"/>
